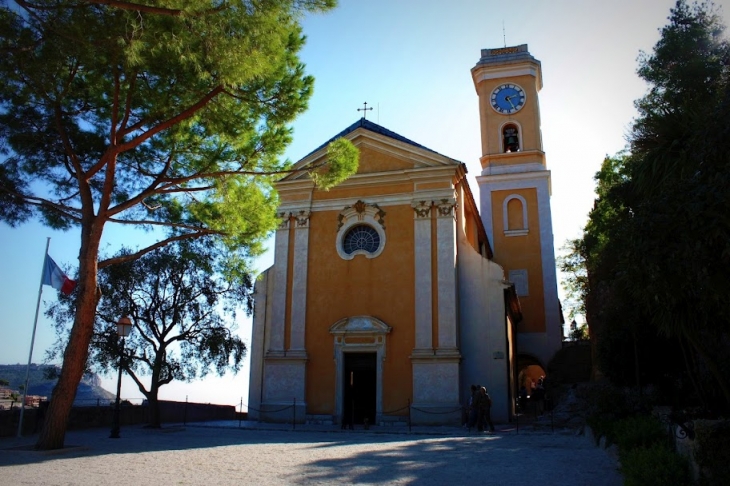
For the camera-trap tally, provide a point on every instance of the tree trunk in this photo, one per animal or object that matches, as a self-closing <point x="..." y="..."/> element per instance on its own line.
<point x="154" y="422"/>
<point x="74" y="357"/>
<point x="155" y="389"/>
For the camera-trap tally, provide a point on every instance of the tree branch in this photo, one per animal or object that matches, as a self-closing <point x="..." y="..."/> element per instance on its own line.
<point x="126" y="258"/>
<point x="184" y="115"/>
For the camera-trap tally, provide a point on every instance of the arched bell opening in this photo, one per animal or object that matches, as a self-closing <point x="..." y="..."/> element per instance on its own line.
<point x="511" y="138"/>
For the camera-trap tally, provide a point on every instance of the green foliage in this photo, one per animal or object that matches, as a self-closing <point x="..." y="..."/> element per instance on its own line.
<point x="611" y="409"/>
<point x="712" y="446"/>
<point x="656" y="250"/>
<point x="169" y="117"/>
<point x="580" y="333"/>
<point x="640" y="431"/>
<point x="657" y="465"/>
<point x="342" y="162"/>
<point x="575" y="280"/>
<point x="177" y="303"/>
<point x="167" y="114"/>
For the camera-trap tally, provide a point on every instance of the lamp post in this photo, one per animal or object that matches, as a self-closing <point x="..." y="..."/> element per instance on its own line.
<point x="124" y="328"/>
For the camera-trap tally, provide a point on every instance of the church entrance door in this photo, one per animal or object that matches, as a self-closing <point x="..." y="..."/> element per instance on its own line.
<point x="359" y="388"/>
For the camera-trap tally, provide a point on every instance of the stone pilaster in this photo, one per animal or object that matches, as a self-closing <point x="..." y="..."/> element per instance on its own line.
<point x="423" y="291"/>
<point x="446" y="248"/>
<point x="281" y="262"/>
<point x="299" y="280"/>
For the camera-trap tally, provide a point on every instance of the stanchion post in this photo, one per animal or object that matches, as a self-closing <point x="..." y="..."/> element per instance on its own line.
<point x="409" y="415"/>
<point x="240" y="413"/>
<point x="552" y="423"/>
<point x="517" y="416"/>
<point x="185" y="411"/>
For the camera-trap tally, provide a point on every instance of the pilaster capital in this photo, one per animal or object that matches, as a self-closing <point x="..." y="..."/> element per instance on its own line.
<point x="422" y="209"/>
<point x="446" y="207"/>
<point x="302" y="218"/>
<point x="284" y="217"/>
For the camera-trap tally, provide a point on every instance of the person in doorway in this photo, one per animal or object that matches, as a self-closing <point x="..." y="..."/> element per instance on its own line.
<point x="539" y="395"/>
<point x="485" y="410"/>
<point x="522" y="404"/>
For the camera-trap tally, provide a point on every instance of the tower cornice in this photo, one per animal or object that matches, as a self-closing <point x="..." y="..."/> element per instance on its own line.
<point x="507" y="62"/>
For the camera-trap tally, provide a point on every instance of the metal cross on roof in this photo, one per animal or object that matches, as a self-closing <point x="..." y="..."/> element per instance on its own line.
<point x="365" y="110"/>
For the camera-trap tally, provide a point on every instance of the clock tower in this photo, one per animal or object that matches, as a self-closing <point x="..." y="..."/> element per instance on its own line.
<point x="515" y="194"/>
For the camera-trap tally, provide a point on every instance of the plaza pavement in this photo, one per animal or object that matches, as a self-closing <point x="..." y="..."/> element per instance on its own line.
<point x="223" y="453"/>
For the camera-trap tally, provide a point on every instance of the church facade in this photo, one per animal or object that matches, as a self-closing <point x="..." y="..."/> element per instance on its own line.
<point x="387" y="298"/>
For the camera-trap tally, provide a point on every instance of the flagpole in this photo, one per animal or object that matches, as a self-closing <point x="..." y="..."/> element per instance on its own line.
<point x="32" y="341"/>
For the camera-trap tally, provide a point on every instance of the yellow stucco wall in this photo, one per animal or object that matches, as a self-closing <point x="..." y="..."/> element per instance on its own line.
<point x="527" y="118"/>
<point x="364" y="192"/>
<point x="378" y="161"/>
<point x="522" y="252"/>
<point x="381" y="287"/>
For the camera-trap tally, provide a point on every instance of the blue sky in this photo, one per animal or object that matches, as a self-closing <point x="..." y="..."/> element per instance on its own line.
<point x="411" y="60"/>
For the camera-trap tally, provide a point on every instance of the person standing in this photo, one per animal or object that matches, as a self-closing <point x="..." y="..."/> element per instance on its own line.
<point x="539" y="395"/>
<point x="485" y="410"/>
<point x="473" y="409"/>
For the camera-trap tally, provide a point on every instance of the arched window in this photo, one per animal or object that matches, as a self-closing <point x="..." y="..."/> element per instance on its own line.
<point x="361" y="237"/>
<point x="361" y="231"/>
<point x="514" y="215"/>
<point x="511" y="138"/>
<point x="515" y="220"/>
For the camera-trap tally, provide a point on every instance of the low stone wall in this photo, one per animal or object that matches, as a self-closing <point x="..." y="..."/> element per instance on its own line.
<point x="102" y="416"/>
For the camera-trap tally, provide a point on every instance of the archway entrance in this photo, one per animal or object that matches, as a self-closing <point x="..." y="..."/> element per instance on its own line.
<point x="359" y="388"/>
<point x="530" y="373"/>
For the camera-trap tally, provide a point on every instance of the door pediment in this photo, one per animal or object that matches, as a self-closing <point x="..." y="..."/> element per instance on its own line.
<point x="360" y="325"/>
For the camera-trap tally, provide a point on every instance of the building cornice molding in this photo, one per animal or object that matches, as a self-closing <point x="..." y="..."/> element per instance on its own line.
<point x="522" y="177"/>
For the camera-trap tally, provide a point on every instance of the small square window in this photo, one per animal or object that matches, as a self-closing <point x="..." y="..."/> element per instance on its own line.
<point x="519" y="278"/>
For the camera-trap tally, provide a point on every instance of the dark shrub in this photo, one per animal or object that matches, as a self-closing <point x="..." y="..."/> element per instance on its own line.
<point x="657" y="465"/>
<point x="713" y="452"/>
<point x="639" y="431"/>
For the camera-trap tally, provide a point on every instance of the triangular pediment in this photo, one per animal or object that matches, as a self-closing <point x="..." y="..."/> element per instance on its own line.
<point x="360" y="325"/>
<point x="381" y="150"/>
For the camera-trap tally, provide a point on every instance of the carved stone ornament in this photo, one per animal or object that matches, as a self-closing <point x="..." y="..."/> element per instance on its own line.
<point x="422" y="209"/>
<point x="360" y="210"/>
<point x="284" y="220"/>
<point x="446" y="207"/>
<point x="360" y="325"/>
<point x="303" y="218"/>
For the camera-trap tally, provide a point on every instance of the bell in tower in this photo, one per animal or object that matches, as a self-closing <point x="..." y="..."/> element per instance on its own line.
<point x="510" y="138"/>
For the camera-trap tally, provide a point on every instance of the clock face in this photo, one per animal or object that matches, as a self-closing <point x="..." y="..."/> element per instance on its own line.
<point x="508" y="98"/>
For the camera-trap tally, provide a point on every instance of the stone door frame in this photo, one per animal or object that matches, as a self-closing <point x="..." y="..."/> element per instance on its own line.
<point x="359" y="334"/>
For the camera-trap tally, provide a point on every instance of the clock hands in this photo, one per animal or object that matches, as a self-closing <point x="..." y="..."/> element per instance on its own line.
<point x="509" y="100"/>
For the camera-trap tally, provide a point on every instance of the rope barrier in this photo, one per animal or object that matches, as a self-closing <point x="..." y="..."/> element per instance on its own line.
<point x="272" y="411"/>
<point x="250" y="408"/>
<point x="390" y="412"/>
<point x="460" y="409"/>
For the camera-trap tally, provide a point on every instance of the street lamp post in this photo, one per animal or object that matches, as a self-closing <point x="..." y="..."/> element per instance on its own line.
<point x="124" y="327"/>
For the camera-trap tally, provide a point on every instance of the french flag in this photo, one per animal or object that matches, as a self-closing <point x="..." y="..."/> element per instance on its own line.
<point x="54" y="276"/>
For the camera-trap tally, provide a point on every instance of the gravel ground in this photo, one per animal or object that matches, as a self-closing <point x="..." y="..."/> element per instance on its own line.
<point x="224" y="455"/>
